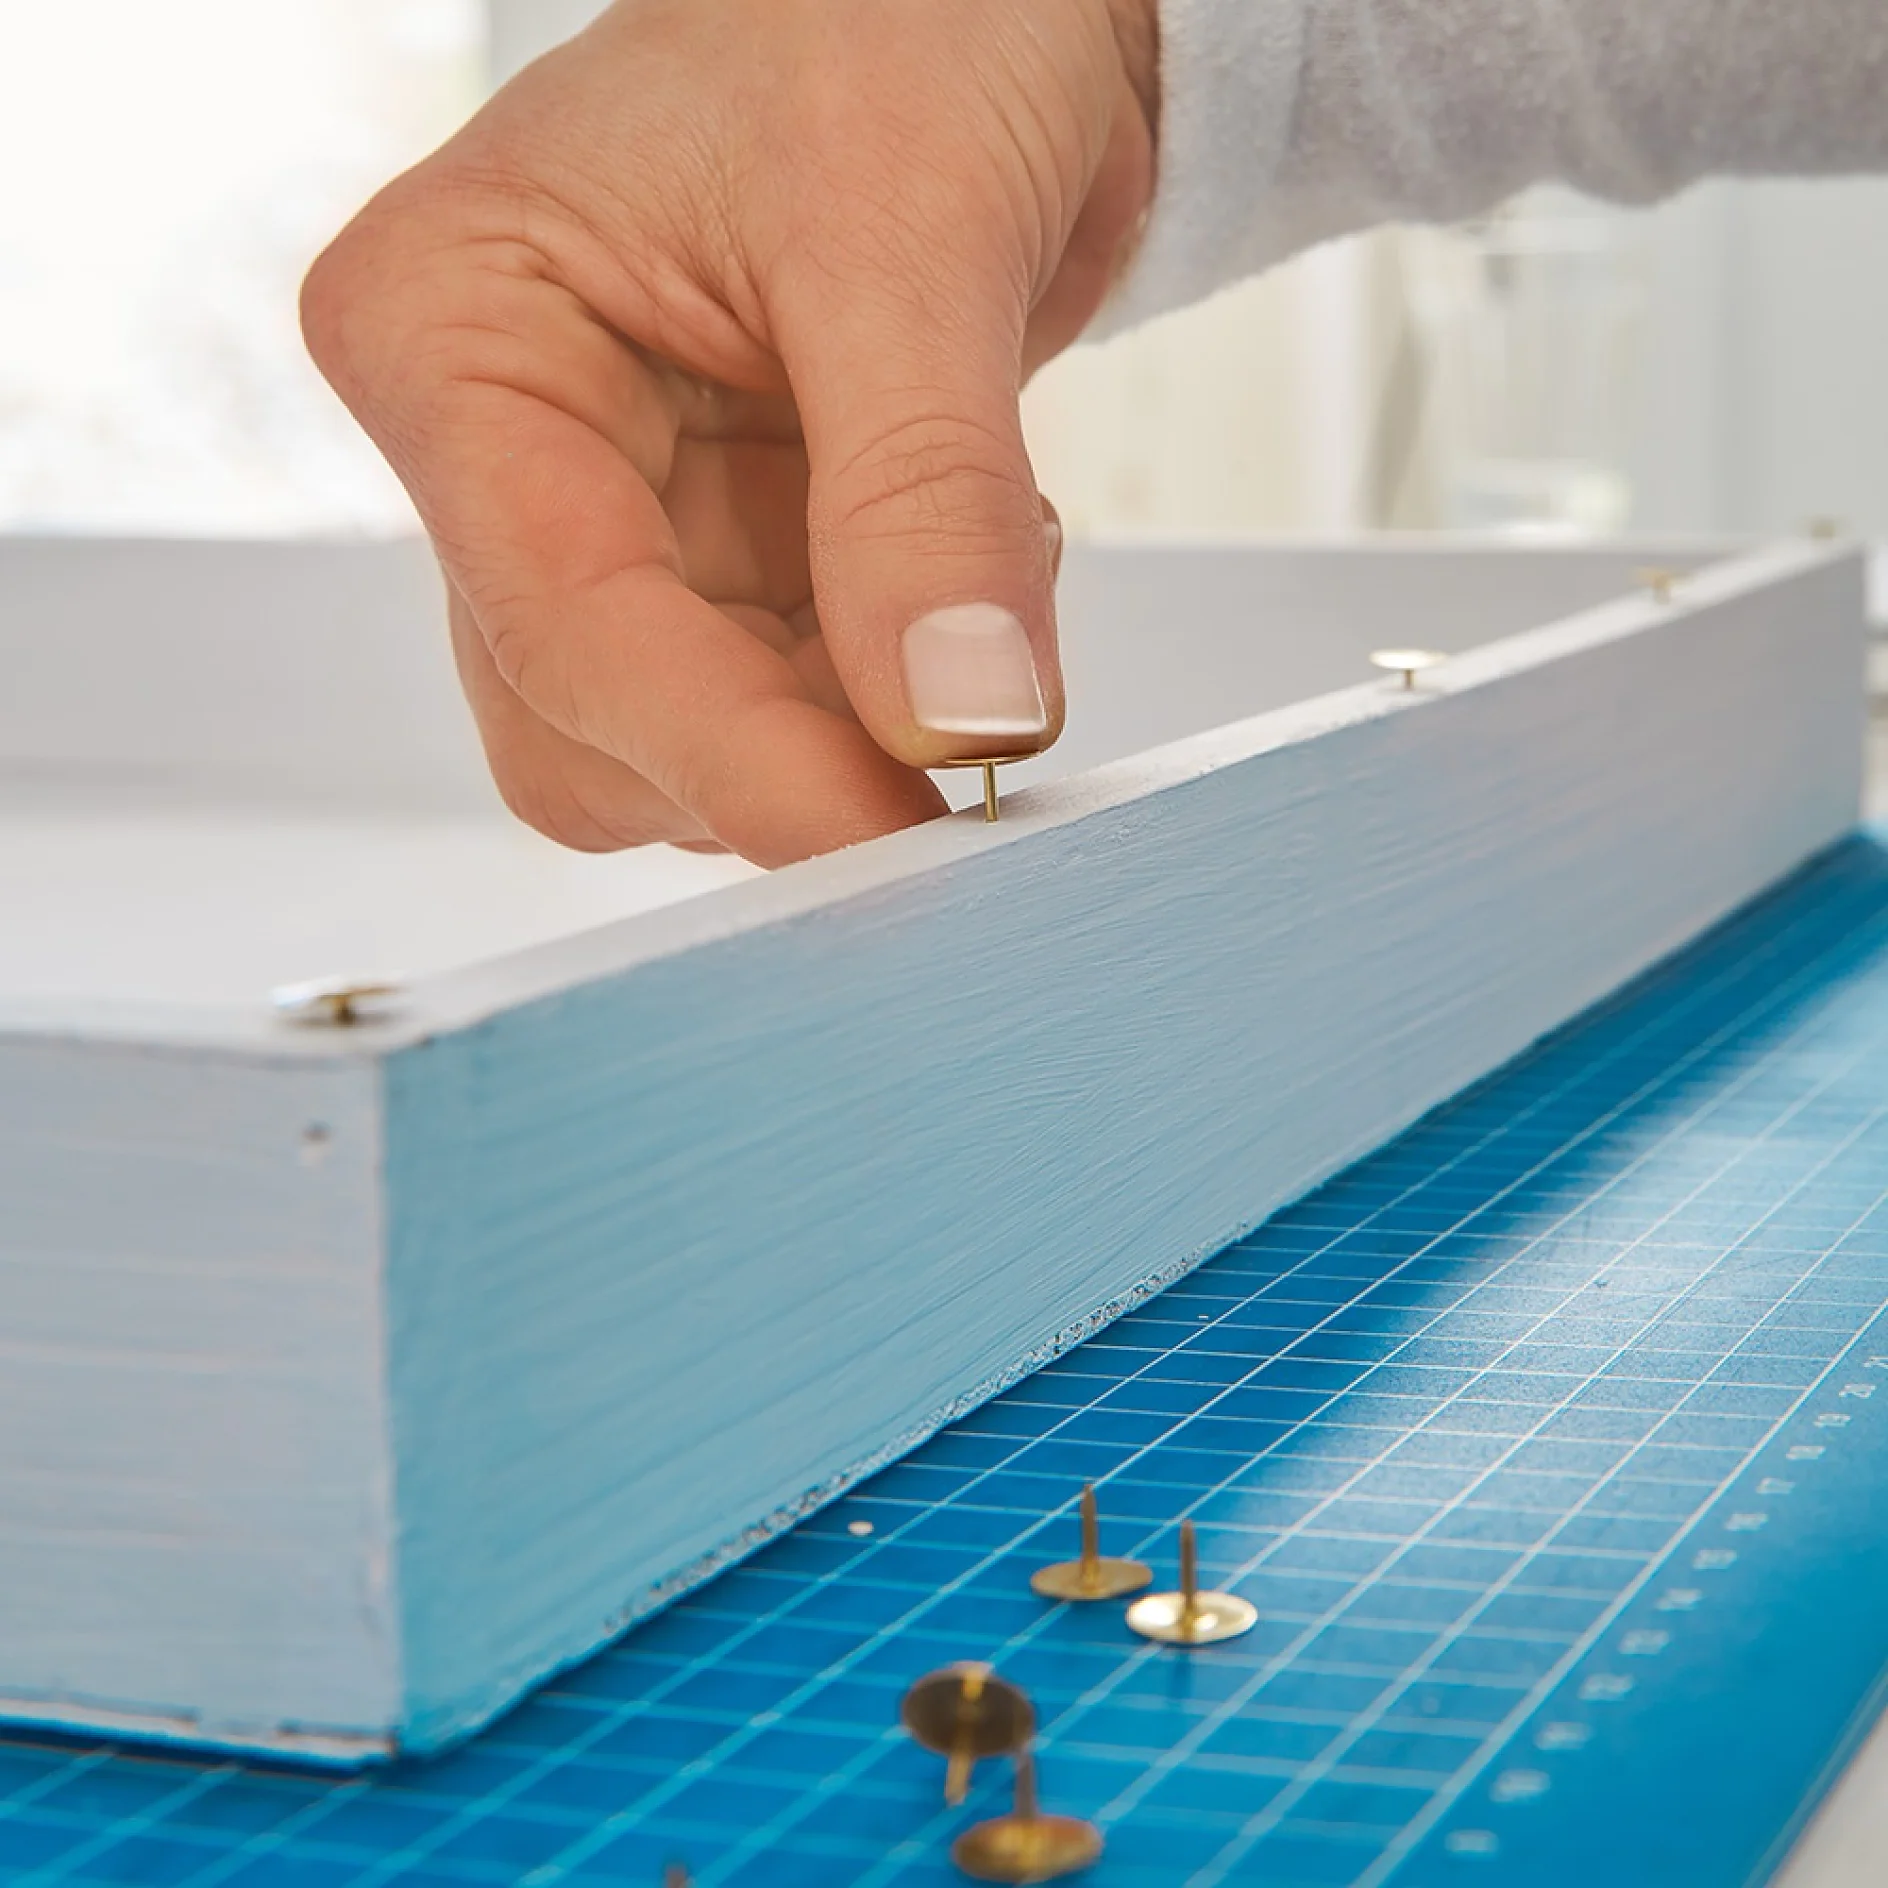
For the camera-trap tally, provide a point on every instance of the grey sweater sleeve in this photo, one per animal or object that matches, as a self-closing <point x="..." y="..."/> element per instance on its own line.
<point x="1285" y="122"/>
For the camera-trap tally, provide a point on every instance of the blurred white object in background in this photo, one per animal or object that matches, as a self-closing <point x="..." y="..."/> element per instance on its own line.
<point x="1716" y="364"/>
<point x="1250" y="412"/>
<point x="171" y="170"/>
<point x="1524" y="326"/>
<point x="1472" y="379"/>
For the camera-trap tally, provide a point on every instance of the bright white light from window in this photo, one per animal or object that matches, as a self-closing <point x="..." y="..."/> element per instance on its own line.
<point x="170" y="167"/>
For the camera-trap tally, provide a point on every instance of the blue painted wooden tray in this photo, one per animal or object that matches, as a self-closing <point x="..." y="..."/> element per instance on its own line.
<point x="1547" y="1441"/>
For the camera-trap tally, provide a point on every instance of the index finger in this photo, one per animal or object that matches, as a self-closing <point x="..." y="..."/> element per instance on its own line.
<point x="533" y="443"/>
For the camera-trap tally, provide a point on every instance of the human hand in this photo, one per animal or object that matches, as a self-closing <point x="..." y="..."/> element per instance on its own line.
<point x="699" y="352"/>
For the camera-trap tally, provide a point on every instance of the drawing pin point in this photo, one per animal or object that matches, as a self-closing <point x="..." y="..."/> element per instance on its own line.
<point x="1408" y="663"/>
<point x="964" y="1713"/>
<point x="989" y="766"/>
<point x="1026" y="1845"/>
<point x="336" y="1002"/>
<point x="1092" y="1577"/>
<point x="1191" y="1617"/>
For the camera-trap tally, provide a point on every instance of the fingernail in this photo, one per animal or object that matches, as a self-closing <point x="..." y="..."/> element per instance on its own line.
<point x="969" y="670"/>
<point x="1052" y="536"/>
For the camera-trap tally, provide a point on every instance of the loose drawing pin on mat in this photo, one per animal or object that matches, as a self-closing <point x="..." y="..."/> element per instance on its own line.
<point x="1408" y="663"/>
<point x="964" y="1712"/>
<point x="989" y="766"/>
<point x="1092" y="1577"/>
<point x="1026" y="1845"/>
<point x="1191" y="1617"/>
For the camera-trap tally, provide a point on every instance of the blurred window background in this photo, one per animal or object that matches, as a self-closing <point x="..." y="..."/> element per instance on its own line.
<point x="171" y="168"/>
<point x="1561" y="369"/>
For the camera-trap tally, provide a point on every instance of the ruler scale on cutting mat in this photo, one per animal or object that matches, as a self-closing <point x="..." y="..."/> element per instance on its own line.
<point x="1551" y="1443"/>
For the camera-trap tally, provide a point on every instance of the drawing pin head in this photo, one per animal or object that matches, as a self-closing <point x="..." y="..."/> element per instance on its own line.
<point x="1190" y="1617"/>
<point x="333" y="1002"/>
<point x="1093" y="1576"/>
<point x="1026" y="1845"/>
<point x="1408" y="663"/>
<point x="989" y="765"/>
<point x="964" y="1713"/>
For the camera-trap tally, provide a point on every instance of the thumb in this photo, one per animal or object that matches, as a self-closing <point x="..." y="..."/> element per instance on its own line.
<point x="932" y="557"/>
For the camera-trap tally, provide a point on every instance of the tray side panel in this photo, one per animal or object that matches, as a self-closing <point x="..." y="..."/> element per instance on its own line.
<point x="193" y="1468"/>
<point x="1159" y="643"/>
<point x="301" y="676"/>
<point x="676" y="1254"/>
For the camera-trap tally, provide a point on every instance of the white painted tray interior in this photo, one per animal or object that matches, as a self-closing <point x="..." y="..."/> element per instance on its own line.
<point x="226" y="766"/>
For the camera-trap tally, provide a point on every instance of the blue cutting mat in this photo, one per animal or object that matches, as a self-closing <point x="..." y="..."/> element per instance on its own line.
<point x="1546" y="1440"/>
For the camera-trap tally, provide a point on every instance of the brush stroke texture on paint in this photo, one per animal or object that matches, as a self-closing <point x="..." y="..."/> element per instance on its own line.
<point x="779" y="1204"/>
<point x="193" y="1489"/>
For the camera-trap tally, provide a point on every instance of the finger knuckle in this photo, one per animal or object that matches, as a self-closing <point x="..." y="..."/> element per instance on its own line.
<point x="371" y="301"/>
<point x="339" y="296"/>
<point x="931" y="475"/>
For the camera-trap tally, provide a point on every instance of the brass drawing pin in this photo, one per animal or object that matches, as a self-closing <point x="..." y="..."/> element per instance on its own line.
<point x="1092" y="1577"/>
<point x="336" y="1001"/>
<point x="989" y="765"/>
<point x="1659" y="582"/>
<point x="1191" y="1617"/>
<point x="965" y="1712"/>
<point x="1026" y="1845"/>
<point x="1408" y="663"/>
